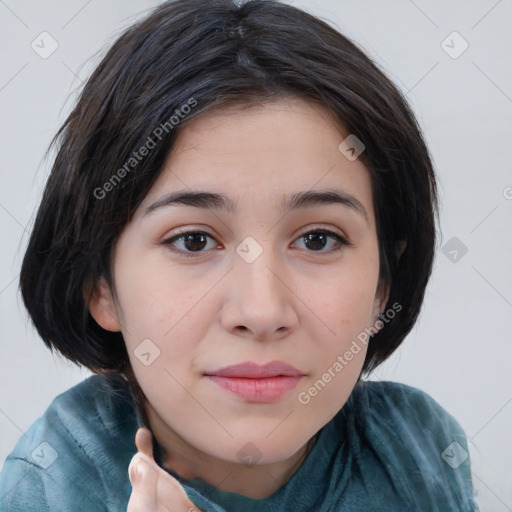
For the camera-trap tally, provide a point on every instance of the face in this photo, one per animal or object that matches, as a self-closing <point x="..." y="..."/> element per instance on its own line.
<point x="201" y="287"/>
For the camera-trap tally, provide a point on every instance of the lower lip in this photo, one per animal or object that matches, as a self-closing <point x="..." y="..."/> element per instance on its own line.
<point x="257" y="390"/>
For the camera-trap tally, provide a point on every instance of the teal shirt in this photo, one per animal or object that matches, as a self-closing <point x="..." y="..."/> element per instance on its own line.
<point x="390" y="448"/>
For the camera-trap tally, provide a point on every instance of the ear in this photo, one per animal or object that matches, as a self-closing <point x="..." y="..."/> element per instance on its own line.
<point x="102" y="307"/>
<point x="381" y="298"/>
<point x="382" y="294"/>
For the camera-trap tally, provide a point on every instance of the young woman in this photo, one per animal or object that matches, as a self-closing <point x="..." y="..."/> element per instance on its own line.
<point x="238" y="227"/>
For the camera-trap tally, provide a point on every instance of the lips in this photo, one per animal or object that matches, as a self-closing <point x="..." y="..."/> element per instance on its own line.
<point x="257" y="383"/>
<point x="250" y="370"/>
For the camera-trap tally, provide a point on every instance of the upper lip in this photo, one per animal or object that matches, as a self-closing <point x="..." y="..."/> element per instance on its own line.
<point x="252" y="370"/>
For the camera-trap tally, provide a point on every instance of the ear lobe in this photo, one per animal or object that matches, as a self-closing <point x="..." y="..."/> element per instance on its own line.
<point x="102" y="308"/>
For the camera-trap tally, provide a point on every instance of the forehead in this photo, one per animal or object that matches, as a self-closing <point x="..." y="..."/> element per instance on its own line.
<point x="288" y="123"/>
<point x="261" y="153"/>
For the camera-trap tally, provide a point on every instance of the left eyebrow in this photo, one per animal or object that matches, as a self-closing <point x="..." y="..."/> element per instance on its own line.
<point x="217" y="201"/>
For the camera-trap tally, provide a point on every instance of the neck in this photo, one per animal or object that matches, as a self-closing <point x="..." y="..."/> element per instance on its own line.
<point x="257" y="481"/>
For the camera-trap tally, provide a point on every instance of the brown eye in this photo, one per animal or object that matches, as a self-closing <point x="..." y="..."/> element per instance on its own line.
<point x="315" y="241"/>
<point x="194" y="243"/>
<point x="318" y="240"/>
<point x="191" y="242"/>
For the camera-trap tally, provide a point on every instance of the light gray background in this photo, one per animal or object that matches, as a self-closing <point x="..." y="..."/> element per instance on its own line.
<point x="460" y="351"/>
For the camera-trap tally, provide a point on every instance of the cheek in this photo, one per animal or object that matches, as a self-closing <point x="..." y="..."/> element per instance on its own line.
<point x="345" y="299"/>
<point x="344" y="306"/>
<point x="346" y="318"/>
<point x="153" y="292"/>
<point x="164" y="304"/>
<point x="345" y="310"/>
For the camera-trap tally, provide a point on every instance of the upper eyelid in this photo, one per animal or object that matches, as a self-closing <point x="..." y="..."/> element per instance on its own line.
<point x="186" y="231"/>
<point x="331" y="232"/>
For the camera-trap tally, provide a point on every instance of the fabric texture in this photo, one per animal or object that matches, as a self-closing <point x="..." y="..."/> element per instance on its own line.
<point x="390" y="448"/>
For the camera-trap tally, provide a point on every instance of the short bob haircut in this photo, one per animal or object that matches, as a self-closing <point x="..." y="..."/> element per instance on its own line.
<point x="210" y="54"/>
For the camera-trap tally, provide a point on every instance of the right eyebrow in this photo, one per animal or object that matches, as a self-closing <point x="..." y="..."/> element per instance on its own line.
<point x="217" y="201"/>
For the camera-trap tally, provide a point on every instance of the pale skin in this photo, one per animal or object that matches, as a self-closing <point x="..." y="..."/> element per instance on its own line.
<point x="300" y="302"/>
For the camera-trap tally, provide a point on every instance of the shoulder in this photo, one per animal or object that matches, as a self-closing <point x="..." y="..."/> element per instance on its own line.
<point x="403" y="402"/>
<point x="76" y="454"/>
<point x="422" y="447"/>
<point x="412" y="413"/>
<point x="408" y="415"/>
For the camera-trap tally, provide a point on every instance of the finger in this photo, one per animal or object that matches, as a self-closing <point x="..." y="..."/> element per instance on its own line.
<point x="144" y="441"/>
<point x="144" y="480"/>
<point x="155" y="486"/>
<point x="154" y="489"/>
<point x="170" y="490"/>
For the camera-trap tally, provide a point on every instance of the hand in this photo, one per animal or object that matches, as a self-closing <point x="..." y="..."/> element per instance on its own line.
<point x="154" y="490"/>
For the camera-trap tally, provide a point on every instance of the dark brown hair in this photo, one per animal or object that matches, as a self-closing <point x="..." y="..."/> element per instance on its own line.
<point x="215" y="53"/>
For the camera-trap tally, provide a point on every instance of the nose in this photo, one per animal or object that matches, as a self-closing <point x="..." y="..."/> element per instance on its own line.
<point x="259" y="300"/>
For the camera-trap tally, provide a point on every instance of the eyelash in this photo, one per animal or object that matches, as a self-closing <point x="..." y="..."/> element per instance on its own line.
<point x="341" y="242"/>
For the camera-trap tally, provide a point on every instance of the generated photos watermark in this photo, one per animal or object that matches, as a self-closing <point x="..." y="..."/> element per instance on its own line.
<point x="304" y="397"/>
<point x="145" y="149"/>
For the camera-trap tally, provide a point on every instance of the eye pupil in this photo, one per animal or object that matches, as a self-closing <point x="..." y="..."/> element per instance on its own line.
<point x="315" y="236"/>
<point x="193" y="238"/>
